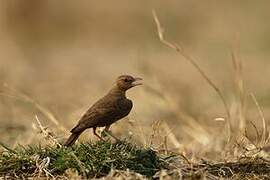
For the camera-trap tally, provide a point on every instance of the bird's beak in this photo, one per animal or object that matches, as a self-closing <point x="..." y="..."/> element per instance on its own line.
<point x="137" y="82"/>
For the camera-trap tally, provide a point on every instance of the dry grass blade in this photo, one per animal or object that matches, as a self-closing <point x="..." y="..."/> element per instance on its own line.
<point x="240" y="92"/>
<point x="46" y="133"/>
<point x="155" y="131"/>
<point x="263" y="141"/>
<point x="181" y="51"/>
<point x="42" y="167"/>
<point x="170" y="135"/>
<point x="257" y="132"/>
<point x="193" y="128"/>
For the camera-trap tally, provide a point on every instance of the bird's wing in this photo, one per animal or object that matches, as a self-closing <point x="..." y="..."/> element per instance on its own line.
<point x="98" y="116"/>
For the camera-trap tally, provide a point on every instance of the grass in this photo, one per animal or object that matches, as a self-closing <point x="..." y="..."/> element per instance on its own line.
<point x="106" y="159"/>
<point x="88" y="160"/>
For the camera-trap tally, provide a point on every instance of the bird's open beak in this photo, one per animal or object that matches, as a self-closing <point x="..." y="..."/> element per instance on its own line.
<point x="137" y="81"/>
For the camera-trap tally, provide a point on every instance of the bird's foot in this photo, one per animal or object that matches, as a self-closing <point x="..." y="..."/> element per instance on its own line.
<point x="109" y="133"/>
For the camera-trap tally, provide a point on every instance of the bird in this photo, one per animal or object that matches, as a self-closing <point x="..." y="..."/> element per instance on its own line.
<point x="107" y="110"/>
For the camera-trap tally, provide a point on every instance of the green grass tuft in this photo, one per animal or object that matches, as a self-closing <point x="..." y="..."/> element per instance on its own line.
<point x="91" y="160"/>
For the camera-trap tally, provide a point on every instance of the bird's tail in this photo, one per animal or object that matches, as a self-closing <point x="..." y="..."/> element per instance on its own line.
<point x="72" y="139"/>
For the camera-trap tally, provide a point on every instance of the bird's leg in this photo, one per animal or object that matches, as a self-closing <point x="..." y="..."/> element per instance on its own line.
<point x="95" y="133"/>
<point x="107" y="128"/>
<point x="107" y="131"/>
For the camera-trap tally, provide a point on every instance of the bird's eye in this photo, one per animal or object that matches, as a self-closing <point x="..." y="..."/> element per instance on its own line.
<point x="126" y="80"/>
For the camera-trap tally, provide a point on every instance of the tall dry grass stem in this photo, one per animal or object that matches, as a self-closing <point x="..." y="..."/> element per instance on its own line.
<point x="190" y="59"/>
<point x="240" y="91"/>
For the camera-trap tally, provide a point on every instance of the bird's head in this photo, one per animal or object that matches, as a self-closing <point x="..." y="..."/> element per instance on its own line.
<point x="125" y="82"/>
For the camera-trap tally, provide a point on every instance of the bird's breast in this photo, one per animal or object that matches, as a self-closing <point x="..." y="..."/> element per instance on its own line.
<point x="124" y="106"/>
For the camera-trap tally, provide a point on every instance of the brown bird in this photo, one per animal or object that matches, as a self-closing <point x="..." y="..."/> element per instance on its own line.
<point x="109" y="109"/>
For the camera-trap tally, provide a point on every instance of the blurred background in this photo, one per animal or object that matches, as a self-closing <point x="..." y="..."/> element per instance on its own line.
<point x="59" y="57"/>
